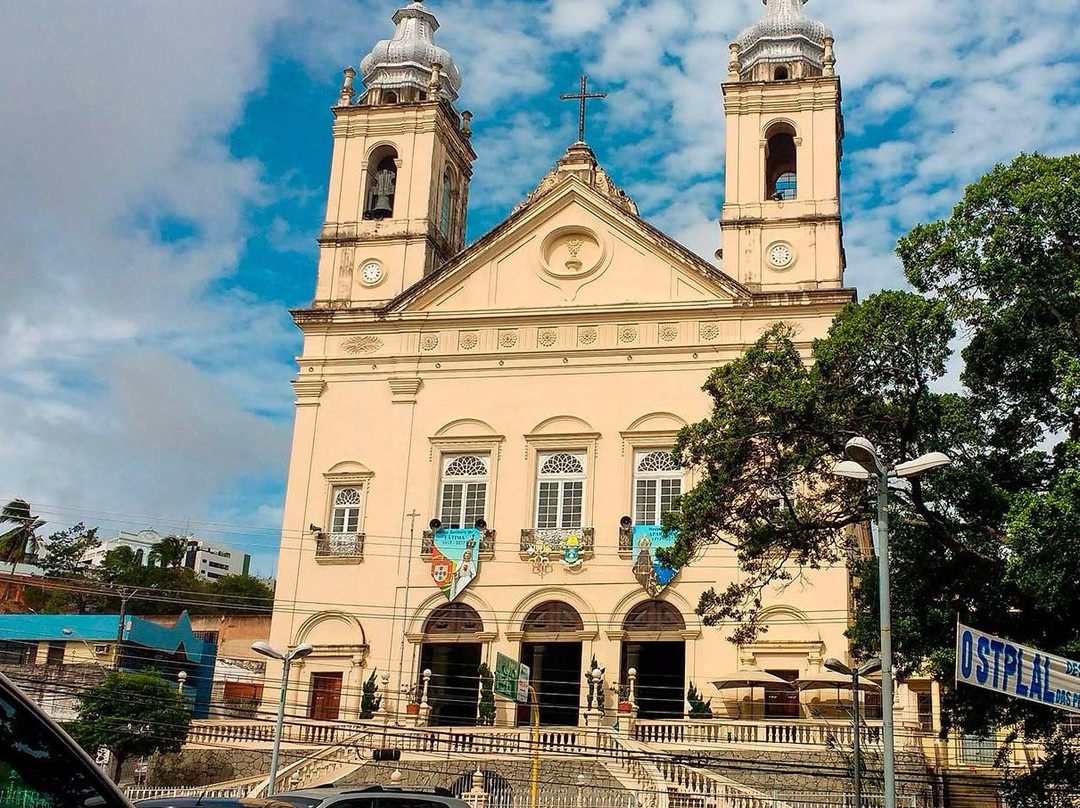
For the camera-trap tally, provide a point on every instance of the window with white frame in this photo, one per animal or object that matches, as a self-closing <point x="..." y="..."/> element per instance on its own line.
<point x="560" y="495"/>
<point x="657" y="481"/>
<point x="345" y="517"/>
<point x="464" y="490"/>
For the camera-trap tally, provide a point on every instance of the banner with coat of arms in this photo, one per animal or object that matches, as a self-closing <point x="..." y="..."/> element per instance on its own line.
<point x="650" y="573"/>
<point x="455" y="559"/>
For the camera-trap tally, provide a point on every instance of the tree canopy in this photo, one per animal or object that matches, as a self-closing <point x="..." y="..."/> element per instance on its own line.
<point x="132" y="715"/>
<point x="989" y="539"/>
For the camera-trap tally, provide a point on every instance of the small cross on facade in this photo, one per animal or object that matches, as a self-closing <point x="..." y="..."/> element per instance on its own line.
<point x="582" y="96"/>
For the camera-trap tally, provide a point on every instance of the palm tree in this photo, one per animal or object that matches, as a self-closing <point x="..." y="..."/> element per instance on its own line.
<point x="168" y="552"/>
<point x="21" y="541"/>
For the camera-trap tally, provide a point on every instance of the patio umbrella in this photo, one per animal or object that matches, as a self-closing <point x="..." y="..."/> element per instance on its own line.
<point x="827" y="680"/>
<point x="748" y="677"/>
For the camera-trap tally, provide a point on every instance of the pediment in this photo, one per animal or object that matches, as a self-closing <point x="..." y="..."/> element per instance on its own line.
<point x="571" y="248"/>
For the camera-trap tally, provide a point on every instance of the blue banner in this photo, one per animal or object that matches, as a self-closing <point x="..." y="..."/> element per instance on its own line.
<point x="455" y="559"/>
<point x="649" y="572"/>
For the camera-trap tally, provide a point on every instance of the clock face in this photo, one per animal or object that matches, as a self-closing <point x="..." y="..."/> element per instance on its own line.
<point x="371" y="273"/>
<point x="780" y="255"/>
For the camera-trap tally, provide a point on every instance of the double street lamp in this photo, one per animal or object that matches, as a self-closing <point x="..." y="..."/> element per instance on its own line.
<point x="867" y="668"/>
<point x="863" y="463"/>
<point x="266" y="649"/>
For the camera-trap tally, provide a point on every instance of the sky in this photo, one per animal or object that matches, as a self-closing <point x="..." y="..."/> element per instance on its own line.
<point x="163" y="174"/>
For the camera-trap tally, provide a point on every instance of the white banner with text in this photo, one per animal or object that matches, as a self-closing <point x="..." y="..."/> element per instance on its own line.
<point x="993" y="663"/>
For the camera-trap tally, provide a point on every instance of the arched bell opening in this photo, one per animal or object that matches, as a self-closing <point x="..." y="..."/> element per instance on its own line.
<point x="781" y="163"/>
<point x="653" y="644"/>
<point x="452" y="652"/>
<point x="382" y="174"/>
<point x="551" y="647"/>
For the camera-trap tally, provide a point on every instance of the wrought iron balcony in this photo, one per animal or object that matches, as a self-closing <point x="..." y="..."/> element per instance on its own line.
<point x="555" y="540"/>
<point x="487" y="544"/>
<point x="342" y="546"/>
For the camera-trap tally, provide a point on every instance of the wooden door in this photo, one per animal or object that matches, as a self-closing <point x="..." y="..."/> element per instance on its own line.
<point x="325" y="696"/>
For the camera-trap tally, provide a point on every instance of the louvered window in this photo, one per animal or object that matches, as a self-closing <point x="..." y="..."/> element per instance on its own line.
<point x="560" y="494"/>
<point x="464" y="490"/>
<point x="657" y="482"/>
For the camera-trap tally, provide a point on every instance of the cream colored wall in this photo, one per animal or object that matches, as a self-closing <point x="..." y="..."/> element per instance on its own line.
<point x="348" y="415"/>
<point x="810" y="223"/>
<point x="407" y="244"/>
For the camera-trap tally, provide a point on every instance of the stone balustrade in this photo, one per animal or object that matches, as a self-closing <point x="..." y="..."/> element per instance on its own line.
<point x="783" y="733"/>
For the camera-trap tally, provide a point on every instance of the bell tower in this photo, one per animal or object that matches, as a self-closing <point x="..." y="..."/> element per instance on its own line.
<point x="399" y="177"/>
<point x="781" y="217"/>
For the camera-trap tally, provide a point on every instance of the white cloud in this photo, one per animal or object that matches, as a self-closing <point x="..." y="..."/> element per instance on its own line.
<point x="116" y="126"/>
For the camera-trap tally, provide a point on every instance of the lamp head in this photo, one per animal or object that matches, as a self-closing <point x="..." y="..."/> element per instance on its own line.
<point x="302" y="650"/>
<point x="849" y="468"/>
<point x="870" y="666"/>
<point x="266" y="649"/>
<point x="922" y="464"/>
<point x="862" y="452"/>
<point x="836" y="666"/>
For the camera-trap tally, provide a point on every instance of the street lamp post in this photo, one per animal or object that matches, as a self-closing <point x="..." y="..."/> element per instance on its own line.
<point x="863" y="463"/>
<point x="865" y="669"/>
<point x="266" y="649"/>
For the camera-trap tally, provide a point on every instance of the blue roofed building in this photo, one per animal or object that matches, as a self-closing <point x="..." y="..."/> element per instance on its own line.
<point x="54" y="657"/>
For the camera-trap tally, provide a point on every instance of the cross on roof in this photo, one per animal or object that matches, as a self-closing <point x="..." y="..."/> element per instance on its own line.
<point x="582" y="96"/>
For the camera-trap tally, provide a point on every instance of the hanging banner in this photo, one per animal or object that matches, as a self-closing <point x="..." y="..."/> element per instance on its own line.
<point x="455" y="559"/>
<point x="649" y="572"/>
<point x="993" y="663"/>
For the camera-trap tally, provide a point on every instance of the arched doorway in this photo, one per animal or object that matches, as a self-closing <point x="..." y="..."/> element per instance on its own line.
<point x="653" y="644"/>
<point x="452" y="653"/>
<point x="551" y="647"/>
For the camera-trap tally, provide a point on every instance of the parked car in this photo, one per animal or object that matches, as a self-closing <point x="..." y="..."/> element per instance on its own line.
<point x="371" y="797"/>
<point x="210" y="802"/>
<point x="41" y="766"/>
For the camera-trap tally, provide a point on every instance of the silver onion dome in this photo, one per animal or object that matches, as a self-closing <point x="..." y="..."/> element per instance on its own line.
<point x="407" y="59"/>
<point x="784" y="34"/>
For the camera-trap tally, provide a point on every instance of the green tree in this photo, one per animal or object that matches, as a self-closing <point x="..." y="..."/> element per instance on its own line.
<point x="73" y="589"/>
<point x="370" y="699"/>
<point x="989" y="538"/>
<point x="168" y="552"/>
<point x="242" y="594"/>
<point x="132" y="715"/>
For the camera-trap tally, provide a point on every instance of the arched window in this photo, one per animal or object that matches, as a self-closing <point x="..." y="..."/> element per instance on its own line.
<point x="381" y="183"/>
<point x="781" y="73"/>
<point x="780" y="164"/>
<point x="390" y="97"/>
<point x="560" y="495"/>
<point x="653" y="616"/>
<point x="657" y="482"/>
<point x="454" y="618"/>
<point x="446" y="213"/>
<point x="464" y="490"/>
<point x="551" y="617"/>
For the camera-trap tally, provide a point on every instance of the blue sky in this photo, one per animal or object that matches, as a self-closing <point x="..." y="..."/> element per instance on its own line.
<point x="164" y="167"/>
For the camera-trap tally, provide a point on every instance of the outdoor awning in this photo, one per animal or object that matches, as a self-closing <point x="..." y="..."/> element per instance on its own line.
<point x="827" y="680"/>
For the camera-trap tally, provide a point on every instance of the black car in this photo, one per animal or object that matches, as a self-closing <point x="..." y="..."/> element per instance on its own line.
<point x="40" y="766"/>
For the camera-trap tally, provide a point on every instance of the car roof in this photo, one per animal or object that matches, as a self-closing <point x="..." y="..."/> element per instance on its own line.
<point x="320" y="794"/>
<point x="195" y="800"/>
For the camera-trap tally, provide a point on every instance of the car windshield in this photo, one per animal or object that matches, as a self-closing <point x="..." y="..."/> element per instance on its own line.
<point x="36" y="767"/>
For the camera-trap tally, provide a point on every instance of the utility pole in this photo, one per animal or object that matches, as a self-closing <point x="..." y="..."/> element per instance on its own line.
<point x="125" y="595"/>
<point x="405" y="608"/>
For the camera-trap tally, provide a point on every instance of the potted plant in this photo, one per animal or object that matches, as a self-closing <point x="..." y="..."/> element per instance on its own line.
<point x="412" y="701"/>
<point x="370" y="700"/>
<point x="485" y="709"/>
<point x="625" y="705"/>
<point x="699" y="707"/>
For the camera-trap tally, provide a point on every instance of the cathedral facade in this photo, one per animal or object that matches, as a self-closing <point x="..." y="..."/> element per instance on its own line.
<point x="482" y="445"/>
